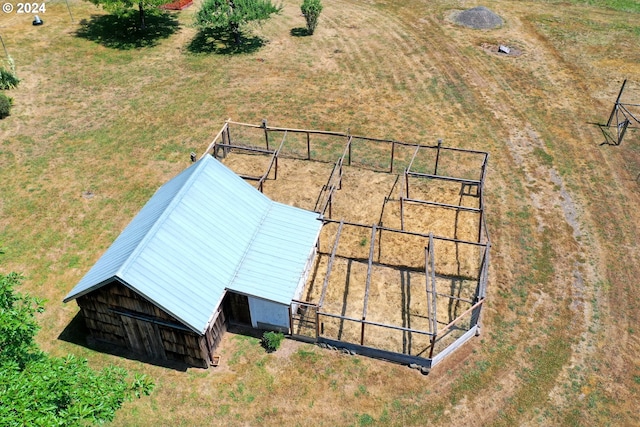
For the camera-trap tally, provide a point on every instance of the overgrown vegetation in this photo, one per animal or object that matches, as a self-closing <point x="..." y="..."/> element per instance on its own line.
<point x="41" y="390"/>
<point x="311" y="10"/>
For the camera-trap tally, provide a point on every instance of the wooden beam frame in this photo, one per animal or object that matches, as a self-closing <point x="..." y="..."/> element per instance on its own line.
<point x="368" y="280"/>
<point x="334" y="182"/>
<point x="325" y="284"/>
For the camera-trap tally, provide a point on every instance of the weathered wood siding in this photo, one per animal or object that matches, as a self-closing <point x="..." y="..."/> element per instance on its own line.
<point x="116" y="314"/>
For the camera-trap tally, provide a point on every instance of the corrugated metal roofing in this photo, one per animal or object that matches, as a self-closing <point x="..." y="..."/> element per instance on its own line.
<point x="205" y="231"/>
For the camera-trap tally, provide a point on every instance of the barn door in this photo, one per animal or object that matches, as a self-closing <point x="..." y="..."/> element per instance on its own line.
<point x="143" y="337"/>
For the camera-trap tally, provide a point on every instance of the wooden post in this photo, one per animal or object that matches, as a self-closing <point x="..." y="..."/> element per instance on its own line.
<point x="317" y="323"/>
<point x="266" y="132"/>
<point x="615" y="106"/>
<point x="349" y="143"/>
<point x="308" y="147"/>
<point x="435" y="170"/>
<point x="406" y="183"/>
<point x="393" y="149"/>
<point x="290" y="320"/>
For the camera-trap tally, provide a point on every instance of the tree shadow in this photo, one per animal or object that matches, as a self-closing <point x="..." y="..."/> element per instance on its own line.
<point x="221" y="42"/>
<point x="299" y="32"/>
<point x="120" y="31"/>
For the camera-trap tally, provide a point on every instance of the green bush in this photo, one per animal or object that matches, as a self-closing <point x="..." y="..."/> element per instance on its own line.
<point x="37" y="389"/>
<point x="271" y="340"/>
<point x="311" y="10"/>
<point x="8" y="80"/>
<point x="5" y="105"/>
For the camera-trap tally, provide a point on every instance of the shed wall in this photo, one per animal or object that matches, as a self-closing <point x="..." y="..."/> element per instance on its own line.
<point x="116" y="314"/>
<point x="269" y="315"/>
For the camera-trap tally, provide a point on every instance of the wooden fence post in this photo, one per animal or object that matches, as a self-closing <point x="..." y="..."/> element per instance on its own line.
<point x="266" y="132"/>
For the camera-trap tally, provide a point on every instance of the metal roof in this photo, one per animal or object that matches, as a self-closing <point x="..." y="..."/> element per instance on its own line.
<point x="204" y="231"/>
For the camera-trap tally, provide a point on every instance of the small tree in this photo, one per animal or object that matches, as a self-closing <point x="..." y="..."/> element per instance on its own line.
<point x="231" y="15"/>
<point x="121" y="6"/>
<point x="311" y="10"/>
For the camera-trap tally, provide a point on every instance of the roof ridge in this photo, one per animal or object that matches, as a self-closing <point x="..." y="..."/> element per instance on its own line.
<point x="256" y="231"/>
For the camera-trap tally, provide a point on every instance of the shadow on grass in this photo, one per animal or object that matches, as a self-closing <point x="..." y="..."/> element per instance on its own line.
<point x="76" y="332"/>
<point x="122" y="32"/>
<point x="299" y="32"/>
<point x="220" y="42"/>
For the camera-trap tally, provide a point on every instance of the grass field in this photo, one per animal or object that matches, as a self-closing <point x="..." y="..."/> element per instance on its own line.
<point x="101" y="119"/>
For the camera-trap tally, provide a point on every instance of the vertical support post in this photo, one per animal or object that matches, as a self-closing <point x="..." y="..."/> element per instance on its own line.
<point x="615" y="106"/>
<point x="431" y="292"/>
<point x="308" y="147"/>
<point x="406" y="183"/>
<point x="435" y="170"/>
<point x="290" y="320"/>
<point x="317" y="323"/>
<point x="349" y="143"/>
<point x="480" y="224"/>
<point x="276" y="172"/>
<point x="266" y="132"/>
<point x="393" y="150"/>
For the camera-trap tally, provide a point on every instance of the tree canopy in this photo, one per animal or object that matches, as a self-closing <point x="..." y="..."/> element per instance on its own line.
<point x="122" y="6"/>
<point x="40" y="390"/>
<point x="233" y="14"/>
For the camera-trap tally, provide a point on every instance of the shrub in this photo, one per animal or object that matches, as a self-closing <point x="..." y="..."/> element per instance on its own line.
<point x="311" y="10"/>
<point x="271" y="340"/>
<point x="5" y="105"/>
<point x="8" y="80"/>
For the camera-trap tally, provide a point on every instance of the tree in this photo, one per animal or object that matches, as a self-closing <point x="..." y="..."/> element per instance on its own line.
<point x="122" y="6"/>
<point x="233" y="14"/>
<point x="311" y="10"/>
<point x="40" y="390"/>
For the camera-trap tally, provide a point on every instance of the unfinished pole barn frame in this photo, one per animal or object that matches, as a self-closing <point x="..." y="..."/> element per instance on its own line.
<point x="406" y="282"/>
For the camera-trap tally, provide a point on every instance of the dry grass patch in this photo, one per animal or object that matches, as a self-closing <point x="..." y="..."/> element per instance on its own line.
<point x="564" y="225"/>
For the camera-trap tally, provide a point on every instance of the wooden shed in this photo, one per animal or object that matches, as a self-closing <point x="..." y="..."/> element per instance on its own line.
<point x="206" y="249"/>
